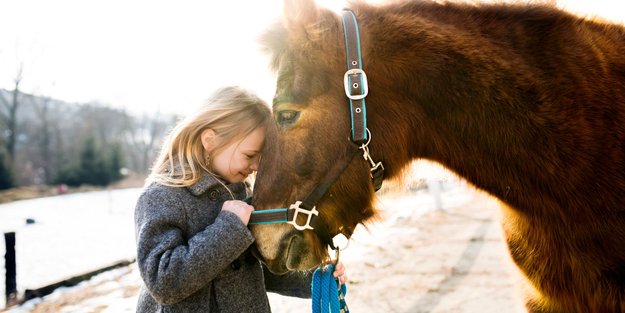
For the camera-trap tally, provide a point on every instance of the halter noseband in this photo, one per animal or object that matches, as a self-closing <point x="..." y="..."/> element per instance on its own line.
<point x="356" y="89"/>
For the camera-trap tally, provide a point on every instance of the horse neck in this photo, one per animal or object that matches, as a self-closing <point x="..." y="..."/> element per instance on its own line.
<point x="469" y="103"/>
<point x="488" y="151"/>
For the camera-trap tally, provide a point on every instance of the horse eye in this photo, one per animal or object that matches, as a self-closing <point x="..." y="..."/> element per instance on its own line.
<point x="287" y="117"/>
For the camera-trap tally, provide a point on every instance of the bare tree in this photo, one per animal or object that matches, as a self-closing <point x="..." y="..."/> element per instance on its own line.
<point x="144" y="137"/>
<point x="10" y="116"/>
<point x="46" y="144"/>
<point x="42" y="109"/>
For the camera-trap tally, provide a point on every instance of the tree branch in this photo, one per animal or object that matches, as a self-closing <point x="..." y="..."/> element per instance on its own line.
<point x="4" y="100"/>
<point x="4" y="114"/>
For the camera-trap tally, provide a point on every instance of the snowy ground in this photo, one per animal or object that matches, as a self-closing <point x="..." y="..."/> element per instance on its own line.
<point x="427" y="253"/>
<point x="72" y="234"/>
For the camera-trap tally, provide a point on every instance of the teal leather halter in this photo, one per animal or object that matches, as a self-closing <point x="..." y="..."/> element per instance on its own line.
<point x="356" y="89"/>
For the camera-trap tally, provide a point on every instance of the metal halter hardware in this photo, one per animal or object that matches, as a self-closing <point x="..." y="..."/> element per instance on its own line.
<point x="354" y="86"/>
<point x="296" y="207"/>
<point x="377" y="169"/>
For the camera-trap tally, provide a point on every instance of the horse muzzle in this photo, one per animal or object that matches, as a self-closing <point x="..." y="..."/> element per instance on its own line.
<point x="283" y="248"/>
<point x="298" y="255"/>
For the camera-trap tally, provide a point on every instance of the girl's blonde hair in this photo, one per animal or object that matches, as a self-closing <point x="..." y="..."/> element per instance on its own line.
<point x="231" y="112"/>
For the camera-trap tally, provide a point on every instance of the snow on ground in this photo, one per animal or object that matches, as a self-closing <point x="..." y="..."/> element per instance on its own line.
<point x="114" y="291"/>
<point x="423" y="251"/>
<point x="72" y="234"/>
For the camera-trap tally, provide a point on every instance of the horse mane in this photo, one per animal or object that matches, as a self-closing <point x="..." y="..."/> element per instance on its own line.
<point x="535" y="19"/>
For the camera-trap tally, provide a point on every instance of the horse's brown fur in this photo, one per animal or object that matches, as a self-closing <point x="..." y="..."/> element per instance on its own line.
<point x="525" y="102"/>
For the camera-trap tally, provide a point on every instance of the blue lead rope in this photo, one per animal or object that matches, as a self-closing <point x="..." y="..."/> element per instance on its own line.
<point x="327" y="297"/>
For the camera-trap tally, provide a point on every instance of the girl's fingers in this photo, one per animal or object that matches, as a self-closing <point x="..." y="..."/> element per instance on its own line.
<point x="342" y="279"/>
<point x="340" y="267"/>
<point x="339" y="270"/>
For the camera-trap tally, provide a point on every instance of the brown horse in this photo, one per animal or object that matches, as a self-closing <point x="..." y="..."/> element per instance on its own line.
<point x="525" y="102"/>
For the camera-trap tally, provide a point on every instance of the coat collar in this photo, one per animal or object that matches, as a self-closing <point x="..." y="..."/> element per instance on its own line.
<point x="208" y="181"/>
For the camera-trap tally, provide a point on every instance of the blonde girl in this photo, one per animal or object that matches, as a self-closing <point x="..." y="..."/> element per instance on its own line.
<point x="193" y="244"/>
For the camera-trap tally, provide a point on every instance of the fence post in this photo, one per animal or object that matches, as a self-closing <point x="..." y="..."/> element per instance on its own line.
<point x="9" y="262"/>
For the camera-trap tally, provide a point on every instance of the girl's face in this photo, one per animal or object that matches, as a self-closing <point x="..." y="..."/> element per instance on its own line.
<point x="239" y="159"/>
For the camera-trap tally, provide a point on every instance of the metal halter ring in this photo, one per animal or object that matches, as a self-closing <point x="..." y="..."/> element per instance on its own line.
<point x="340" y="241"/>
<point x="368" y="139"/>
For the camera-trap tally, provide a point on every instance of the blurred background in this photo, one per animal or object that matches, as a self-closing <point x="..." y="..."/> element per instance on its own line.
<point x="88" y="90"/>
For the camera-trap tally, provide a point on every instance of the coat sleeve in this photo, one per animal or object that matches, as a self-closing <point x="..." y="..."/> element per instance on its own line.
<point x="291" y="284"/>
<point x="173" y="267"/>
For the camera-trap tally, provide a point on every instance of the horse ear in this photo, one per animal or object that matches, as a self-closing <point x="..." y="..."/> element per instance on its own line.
<point x="301" y="15"/>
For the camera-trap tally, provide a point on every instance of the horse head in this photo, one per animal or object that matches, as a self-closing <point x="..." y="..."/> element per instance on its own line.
<point x="310" y="145"/>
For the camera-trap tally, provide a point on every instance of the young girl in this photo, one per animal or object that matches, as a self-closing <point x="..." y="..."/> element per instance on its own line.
<point x="191" y="227"/>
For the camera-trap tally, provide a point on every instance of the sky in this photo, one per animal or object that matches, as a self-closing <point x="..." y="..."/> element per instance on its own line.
<point x="148" y="56"/>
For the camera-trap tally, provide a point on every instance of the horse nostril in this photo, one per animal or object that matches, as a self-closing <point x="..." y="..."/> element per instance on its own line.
<point x="296" y="251"/>
<point x="296" y="240"/>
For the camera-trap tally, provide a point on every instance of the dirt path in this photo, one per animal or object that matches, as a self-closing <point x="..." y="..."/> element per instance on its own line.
<point x="450" y="260"/>
<point x="412" y="260"/>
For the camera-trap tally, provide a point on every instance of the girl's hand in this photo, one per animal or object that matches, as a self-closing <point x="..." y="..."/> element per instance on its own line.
<point x="240" y="208"/>
<point x="339" y="272"/>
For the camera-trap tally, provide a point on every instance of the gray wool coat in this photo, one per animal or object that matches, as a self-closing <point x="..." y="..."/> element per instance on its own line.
<point x="194" y="258"/>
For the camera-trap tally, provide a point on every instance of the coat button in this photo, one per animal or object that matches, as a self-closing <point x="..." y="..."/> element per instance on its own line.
<point x="213" y="194"/>
<point x="236" y="264"/>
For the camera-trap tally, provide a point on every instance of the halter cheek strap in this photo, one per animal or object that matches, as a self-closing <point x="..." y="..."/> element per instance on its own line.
<point x="356" y="89"/>
<point x="355" y="79"/>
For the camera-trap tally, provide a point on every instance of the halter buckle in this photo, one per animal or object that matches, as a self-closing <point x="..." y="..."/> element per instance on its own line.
<point x="296" y="206"/>
<point x="349" y="86"/>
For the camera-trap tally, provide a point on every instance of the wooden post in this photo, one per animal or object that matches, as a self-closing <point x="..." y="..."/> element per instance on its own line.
<point x="9" y="262"/>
